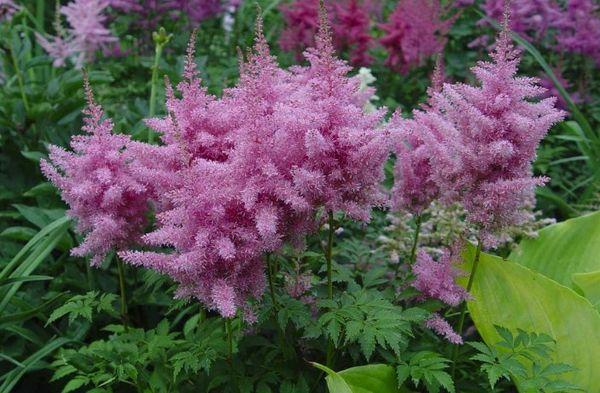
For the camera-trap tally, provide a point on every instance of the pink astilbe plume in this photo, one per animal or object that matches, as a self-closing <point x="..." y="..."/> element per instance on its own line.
<point x="415" y="185"/>
<point x="96" y="181"/>
<point x="484" y="160"/>
<point x="7" y="9"/>
<point x="436" y="279"/>
<point x="578" y="28"/>
<point x="253" y="169"/>
<point x="350" y="20"/>
<point x="57" y="47"/>
<point x="443" y="328"/>
<point x="345" y="147"/>
<point x="414" y="32"/>
<point x="86" y="33"/>
<point x="87" y="19"/>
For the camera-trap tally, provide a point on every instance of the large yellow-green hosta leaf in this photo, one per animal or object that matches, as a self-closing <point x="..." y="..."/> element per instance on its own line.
<point x="563" y="250"/>
<point x="370" y="378"/>
<point x="514" y="296"/>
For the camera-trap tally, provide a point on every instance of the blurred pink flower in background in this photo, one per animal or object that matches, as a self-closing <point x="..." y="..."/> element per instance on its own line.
<point x="414" y="32"/>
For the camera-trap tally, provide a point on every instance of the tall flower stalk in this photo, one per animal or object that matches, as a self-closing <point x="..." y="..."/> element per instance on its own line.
<point x="328" y="254"/>
<point x="413" y="251"/>
<point x="463" y="310"/>
<point x="124" y="313"/>
<point x="161" y="38"/>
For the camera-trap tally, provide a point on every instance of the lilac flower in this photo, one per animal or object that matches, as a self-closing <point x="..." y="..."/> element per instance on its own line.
<point x="578" y="28"/>
<point x="196" y="10"/>
<point x="150" y="12"/>
<point x="530" y="18"/>
<point x="436" y="279"/>
<point x="96" y="181"/>
<point x="443" y="328"/>
<point x="7" y="9"/>
<point x="414" y="32"/>
<point x="483" y="156"/>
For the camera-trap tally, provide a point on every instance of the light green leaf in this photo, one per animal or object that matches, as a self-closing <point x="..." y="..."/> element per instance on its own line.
<point x="335" y="383"/>
<point x="588" y="284"/>
<point x="564" y="249"/>
<point x="371" y="378"/>
<point x="511" y="295"/>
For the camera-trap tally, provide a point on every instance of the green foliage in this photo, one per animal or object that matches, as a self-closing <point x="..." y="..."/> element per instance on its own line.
<point x="425" y="367"/>
<point x="84" y="305"/>
<point x="525" y="357"/>
<point x="366" y="317"/>
<point x="157" y="359"/>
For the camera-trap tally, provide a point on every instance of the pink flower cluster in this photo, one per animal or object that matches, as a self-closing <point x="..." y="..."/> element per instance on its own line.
<point x="86" y="34"/>
<point x="578" y="28"/>
<point x="530" y="18"/>
<point x="414" y="31"/>
<point x="7" y="9"/>
<point x="480" y="141"/>
<point x="240" y="175"/>
<point x="351" y="27"/>
<point x="101" y="188"/>
<point x="150" y="12"/>
<point x="443" y="328"/>
<point x="435" y="279"/>
<point x="575" y="25"/>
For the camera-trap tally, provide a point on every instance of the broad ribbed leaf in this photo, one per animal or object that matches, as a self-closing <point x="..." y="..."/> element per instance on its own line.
<point x="511" y="295"/>
<point x="371" y="378"/>
<point x="564" y="249"/>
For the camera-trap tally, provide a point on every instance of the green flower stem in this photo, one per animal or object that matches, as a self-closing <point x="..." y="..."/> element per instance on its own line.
<point x="463" y="311"/>
<point x="270" y="277"/>
<point x="124" y="315"/>
<point x="229" y="333"/>
<point x="328" y="256"/>
<point x="413" y="250"/>
<point x="161" y="38"/>
<point x="328" y="252"/>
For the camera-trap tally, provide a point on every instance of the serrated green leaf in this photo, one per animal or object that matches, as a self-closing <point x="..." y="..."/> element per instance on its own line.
<point x="75" y="384"/>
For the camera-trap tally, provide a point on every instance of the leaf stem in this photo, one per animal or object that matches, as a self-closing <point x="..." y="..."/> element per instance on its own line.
<point x="121" y="271"/>
<point x="463" y="311"/>
<point x="19" y="78"/>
